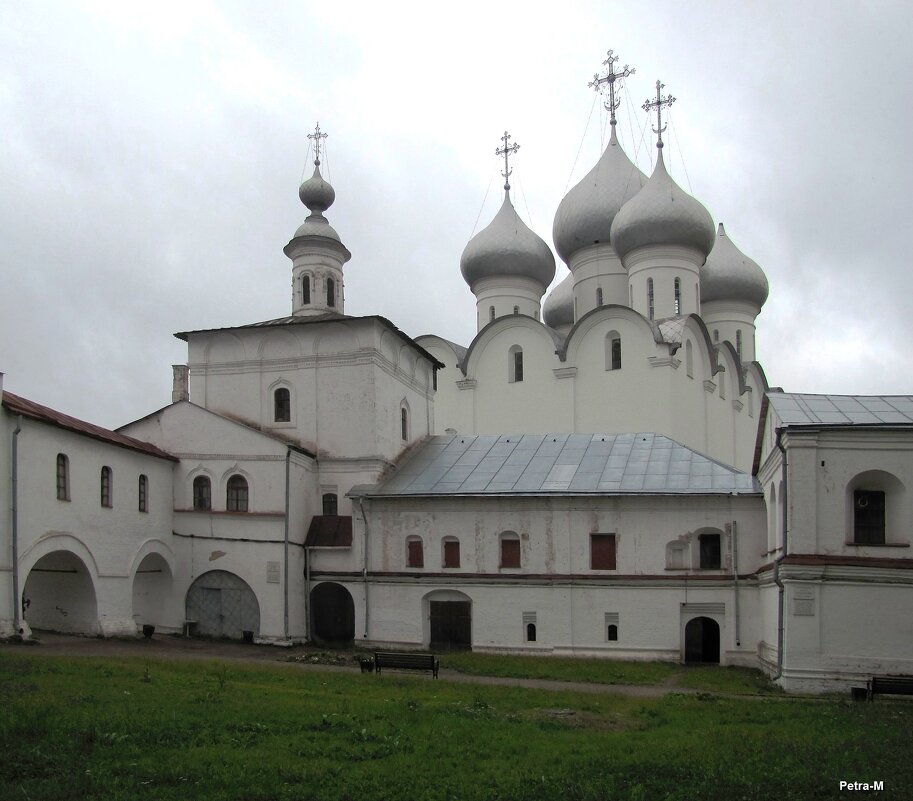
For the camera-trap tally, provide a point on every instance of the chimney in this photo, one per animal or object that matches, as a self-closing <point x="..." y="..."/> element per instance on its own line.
<point x="180" y="390"/>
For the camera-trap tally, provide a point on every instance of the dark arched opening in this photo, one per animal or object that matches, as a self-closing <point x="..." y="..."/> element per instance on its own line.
<point x="59" y="595"/>
<point x="702" y="641"/>
<point x="223" y="605"/>
<point x="332" y="614"/>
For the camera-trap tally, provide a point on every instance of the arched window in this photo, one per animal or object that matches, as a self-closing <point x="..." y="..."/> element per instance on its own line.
<point x="330" y="503"/>
<point x="404" y="423"/>
<point x="738" y="344"/>
<point x="516" y="309"/>
<point x="710" y="552"/>
<point x="415" y="554"/>
<point x="649" y="298"/>
<point x="689" y="359"/>
<point x="451" y="552"/>
<point x="613" y="351"/>
<point x="612" y="633"/>
<point x="202" y="493"/>
<point x="510" y="549"/>
<point x="331" y="293"/>
<point x="599" y="296"/>
<point x="678" y="295"/>
<point x="142" y="494"/>
<point x="63" y="477"/>
<point x="530" y="632"/>
<point x="236" y="496"/>
<point x="282" y="405"/>
<point x="305" y="289"/>
<point x="529" y="626"/>
<point x="107" y="477"/>
<point x="515" y="364"/>
<point x="491" y="314"/>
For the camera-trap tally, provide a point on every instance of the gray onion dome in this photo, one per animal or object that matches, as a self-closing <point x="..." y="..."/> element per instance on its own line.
<point x="728" y="274"/>
<point x="584" y="217"/>
<point x="662" y="213"/>
<point x="507" y="248"/>
<point x="318" y="195"/>
<point x="558" y="309"/>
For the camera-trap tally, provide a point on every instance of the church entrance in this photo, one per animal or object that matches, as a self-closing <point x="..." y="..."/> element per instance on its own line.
<point x="451" y="625"/>
<point x="702" y="641"/>
<point x="332" y="614"/>
<point x="223" y="605"/>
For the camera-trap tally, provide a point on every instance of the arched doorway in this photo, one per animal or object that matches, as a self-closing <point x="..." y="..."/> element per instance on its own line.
<point x="223" y="605"/>
<point x="702" y="641"/>
<point x="152" y="587"/>
<point x="59" y="595"/>
<point x="332" y="614"/>
<point x="449" y="616"/>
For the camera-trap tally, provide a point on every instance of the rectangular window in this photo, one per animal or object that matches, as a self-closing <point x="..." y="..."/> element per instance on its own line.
<point x="415" y="554"/>
<point x="452" y="553"/>
<point x="711" y="556"/>
<point x="602" y="551"/>
<point x="63" y="477"/>
<point x="868" y="517"/>
<point x="330" y="503"/>
<point x="518" y="365"/>
<point x="616" y="354"/>
<point x="143" y="491"/>
<point x="510" y="553"/>
<point x="106" y="487"/>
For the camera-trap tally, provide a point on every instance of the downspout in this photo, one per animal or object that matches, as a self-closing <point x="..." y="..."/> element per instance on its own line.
<point x="364" y="572"/>
<point x="288" y="456"/>
<point x="735" y="581"/>
<point x="17" y="604"/>
<point x="307" y="594"/>
<point x="777" y="580"/>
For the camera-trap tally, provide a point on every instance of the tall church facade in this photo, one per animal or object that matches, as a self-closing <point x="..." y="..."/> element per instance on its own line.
<point x="604" y="474"/>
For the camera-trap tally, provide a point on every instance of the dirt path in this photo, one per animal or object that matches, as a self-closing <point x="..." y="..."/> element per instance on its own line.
<point x="183" y="648"/>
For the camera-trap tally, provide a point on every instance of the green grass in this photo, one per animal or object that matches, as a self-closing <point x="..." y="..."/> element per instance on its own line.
<point x="74" y="728"/>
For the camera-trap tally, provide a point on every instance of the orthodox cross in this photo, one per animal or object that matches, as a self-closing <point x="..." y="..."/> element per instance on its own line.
<point x="317" y="136"/>
<point x="506" y="151"/>
<point x="610" y="78"/>
<point x="658" y="104"/>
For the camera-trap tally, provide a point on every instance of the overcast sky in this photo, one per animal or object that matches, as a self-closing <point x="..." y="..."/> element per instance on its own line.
<point x="151" y="155"/>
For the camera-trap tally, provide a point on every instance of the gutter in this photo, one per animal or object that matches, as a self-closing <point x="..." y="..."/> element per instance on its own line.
<point x="782" y="498"/>
<point x="17" y="603"/>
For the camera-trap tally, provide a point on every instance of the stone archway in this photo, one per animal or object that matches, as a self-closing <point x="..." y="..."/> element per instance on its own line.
<point x="59" y="595"/>
<point x="152" y="592"/>
<point x="702" y="641"/>
<point x="332" y="614"/>
<point x="223" y="605"/>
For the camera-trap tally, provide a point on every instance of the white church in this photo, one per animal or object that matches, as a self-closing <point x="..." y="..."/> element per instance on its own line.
<point x="603" y="474"/>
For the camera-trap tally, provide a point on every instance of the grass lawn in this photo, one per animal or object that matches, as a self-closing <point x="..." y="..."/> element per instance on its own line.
<point x="124" y="729"/>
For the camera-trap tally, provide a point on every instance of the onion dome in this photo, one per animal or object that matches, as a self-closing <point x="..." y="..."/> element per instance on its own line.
<point x="318" y="195"/>
<point x="507" y="248"/>
<point x="662" y="213"/>
<point x="728" y="274"/>
<point x="585" y="215"/>
<point x="558" y="309"/>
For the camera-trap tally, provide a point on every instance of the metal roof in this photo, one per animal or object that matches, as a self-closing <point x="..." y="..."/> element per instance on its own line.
<point x="794" y="409"/>
<point x="565" y="464"/>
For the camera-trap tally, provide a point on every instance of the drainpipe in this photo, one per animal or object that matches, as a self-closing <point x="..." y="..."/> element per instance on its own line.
<point x="288" y="456"/>
<point x="777" y="580"/>
<point x="307" y="594"/>
<point x="17" y="604"/>
<point x="364" y="572"/>
<point x="735" y="580"/>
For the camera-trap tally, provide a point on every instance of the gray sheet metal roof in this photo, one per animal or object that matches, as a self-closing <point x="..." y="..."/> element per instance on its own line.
<point x="562" y="464"/>
<point x="794" y="409"/>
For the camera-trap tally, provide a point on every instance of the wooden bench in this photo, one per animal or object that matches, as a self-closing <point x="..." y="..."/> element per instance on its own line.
<point x="399" y="661"/>
<point x="890" y="685"/>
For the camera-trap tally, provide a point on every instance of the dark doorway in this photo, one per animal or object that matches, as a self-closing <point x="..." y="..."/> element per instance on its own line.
<point x="451" y="625"/>
<point x="702" y="641"/>
<point x="332" y="614"/>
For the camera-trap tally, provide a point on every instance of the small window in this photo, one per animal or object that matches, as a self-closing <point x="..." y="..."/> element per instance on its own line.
<point x="612" y="633"/>
<point x="202" y="493"/>
<point x="330" y="503"/>
<point x="415" y="553"/>
<point x="710" y="551"/>
<point x="530" y="632"/>
<point x="331" y="293"/>
<point x="529" y="626"/>
<point x="649" y="298"/>
<point x="451" y="553"/>
<point x="106" y="480"/>
<point x="678" y="296"/>
<point x="738" y="344"/>
<point x="282" y="405"/>
<point x="143" y="492"/>
<point x="305" y="290"/>
<point x="515" y="364"/>
<point x="63" y="477"/>
<point x="602" y="551"/>
<point x="516" y="309"/>
<point x="491" y="313"/>
<point x="404" y="423"/>
<point x="236" y="495"/>
<point x="868" y="517"/>
<point x="510" y="550"/>
<point x="599" y="296"/>
<point x="716" y="336"/>
<point x="616" y="353"/>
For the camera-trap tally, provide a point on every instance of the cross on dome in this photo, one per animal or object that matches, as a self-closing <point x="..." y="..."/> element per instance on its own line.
<point x="317" y="136"/>
<point x="610" y="78"/>
<point x="659" y="104"/>
<point x="506" y="151"/>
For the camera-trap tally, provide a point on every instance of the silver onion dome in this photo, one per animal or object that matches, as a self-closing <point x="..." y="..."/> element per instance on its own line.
<point x="728" y="274"/>
<point x="558" y="309"/>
